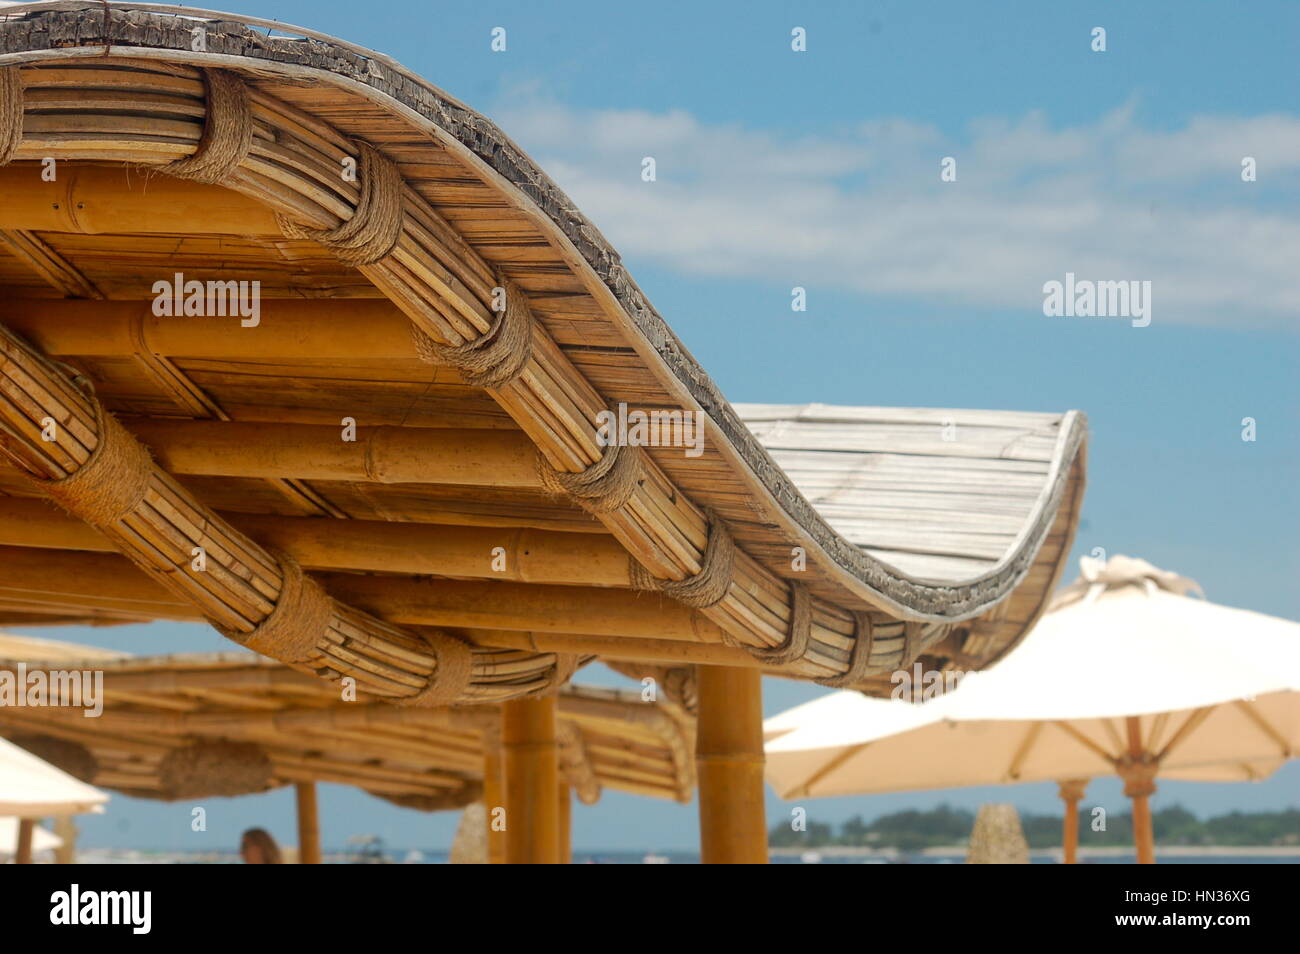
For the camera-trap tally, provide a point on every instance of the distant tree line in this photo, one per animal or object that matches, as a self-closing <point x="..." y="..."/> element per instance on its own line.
<point x="915" y="830"/>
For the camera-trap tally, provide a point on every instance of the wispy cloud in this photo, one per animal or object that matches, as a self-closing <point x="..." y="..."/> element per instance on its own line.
<point x="865" y="210"/>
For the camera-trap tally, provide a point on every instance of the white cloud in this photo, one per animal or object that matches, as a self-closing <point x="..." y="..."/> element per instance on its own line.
<point x="865" y="210"/>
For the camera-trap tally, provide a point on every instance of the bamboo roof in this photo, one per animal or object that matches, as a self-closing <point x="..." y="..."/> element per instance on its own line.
<point x="832" y="544"/>
<point x="266" y="725"/>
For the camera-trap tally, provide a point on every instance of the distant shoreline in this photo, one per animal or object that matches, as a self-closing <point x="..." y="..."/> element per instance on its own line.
<point x="1108" y="851"/>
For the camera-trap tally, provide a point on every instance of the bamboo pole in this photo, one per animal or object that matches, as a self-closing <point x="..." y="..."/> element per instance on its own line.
<point x="531" y="762"/>
<point x="474" y="457"/>
<point x="94" y="200"/>
<point x="23" y="850"/>
<point x="1139" y="772"/>
<point x="565" y="807"/>
<point x="65" y="826"/>
<point x="729" y="756"/>
<point x="1071" y="791"/>
<point x="494" y="800"/>
<point x="308" y="823"/>
<point x="356" y="329"/>
<point x="104" y="581"/>
<point x="516" y="554"/>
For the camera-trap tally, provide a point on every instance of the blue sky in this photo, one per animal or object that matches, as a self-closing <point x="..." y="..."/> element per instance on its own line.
<point x="820" y="169"/>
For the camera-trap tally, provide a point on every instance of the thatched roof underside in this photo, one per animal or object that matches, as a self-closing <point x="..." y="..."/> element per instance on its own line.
<point x="194" y="725"/>
<point x="917" y="544"/>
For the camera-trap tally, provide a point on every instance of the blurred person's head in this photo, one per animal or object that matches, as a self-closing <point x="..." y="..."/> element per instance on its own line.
<point x="258" y="848"/>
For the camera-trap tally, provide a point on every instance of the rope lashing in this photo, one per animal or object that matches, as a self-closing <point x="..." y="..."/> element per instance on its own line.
<point x="293" y="629"/>
<point x="451" y="675"/>
<point x="796" y="642"/>
<point x="11" y="112"/>
<point x="910" y="649"/>
<point x="864" y="634"/>
<point x="604" y="486"/>
<point x="376" y="224"/>
<point x="227" y="132"/>
<point x="111" y="483"/>
<point x="703" y="589"/>
<point x="496" y="357"/>
<point x="566" y="664"/>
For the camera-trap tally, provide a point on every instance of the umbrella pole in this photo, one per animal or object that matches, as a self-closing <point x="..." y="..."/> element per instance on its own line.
<point x="532" y="772"/>
<point x="1071" y="792"/>
<point x="729" y="761"/>
<point x="308" y="823"/>
<point x="23" y="850"/>
<point x="566" y="824"/>
<point x="494" y="798"/>
<point x="1138" y="770"/>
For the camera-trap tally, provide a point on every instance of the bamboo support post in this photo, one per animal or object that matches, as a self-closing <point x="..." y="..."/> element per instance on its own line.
<point x="65" y="826"/>
<point x="1138" y="770"/>
<point x="308" y="823"/>
<point x="565" y="824"/>
<point x="729" y="758"/>
<point x="530" y="759"/>
<point x="23" y="850"/>
<point x="494" y="800"/>
<point x="1071" y="791"/>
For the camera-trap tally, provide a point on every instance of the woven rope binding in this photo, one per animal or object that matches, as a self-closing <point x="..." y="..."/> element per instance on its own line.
<point x="451" y="674"/>
<point x="376" y="224"/>
<point x="704" y="589"/>
<point x="299" y="620"/>
<point x="859" y="659"/>
<point x="496" y="357"/>
<point x="227" y="132"/>
<point x="603" y="487"/>
<point x="11" y="112"/>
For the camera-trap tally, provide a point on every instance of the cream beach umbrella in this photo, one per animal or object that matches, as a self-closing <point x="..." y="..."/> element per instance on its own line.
<point x="1128" y="674"/>
<point x="31" y="788"/>
<point x="42" y="838"/>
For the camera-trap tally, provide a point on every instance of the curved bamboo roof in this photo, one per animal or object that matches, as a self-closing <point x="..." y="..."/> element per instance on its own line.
<point x="870" y="541"/>
<point x="261" y="725"/>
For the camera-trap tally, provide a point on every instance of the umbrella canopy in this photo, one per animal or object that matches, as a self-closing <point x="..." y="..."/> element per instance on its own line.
<point x="30" y="788"/>
<point x="1215" y="689"/>
<point x="1129" y="673"/>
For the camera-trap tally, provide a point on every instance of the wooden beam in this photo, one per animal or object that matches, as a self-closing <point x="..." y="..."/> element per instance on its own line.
<point x="105" y="582"/>
<point x="729" y="758"/>
<point x="308" y="823"/>
<point x="102" y="199"/>
<point x="531" y="761"/>
<point x="471" y="457"/>
<point x="344" y="330"/>
<point x="488" y="553"/>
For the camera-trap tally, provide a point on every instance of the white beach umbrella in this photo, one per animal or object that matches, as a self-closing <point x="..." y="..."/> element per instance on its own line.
<point x="42" y="838"/>
<point x="31" y="788"/>
<point x="1128" y="674"/>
